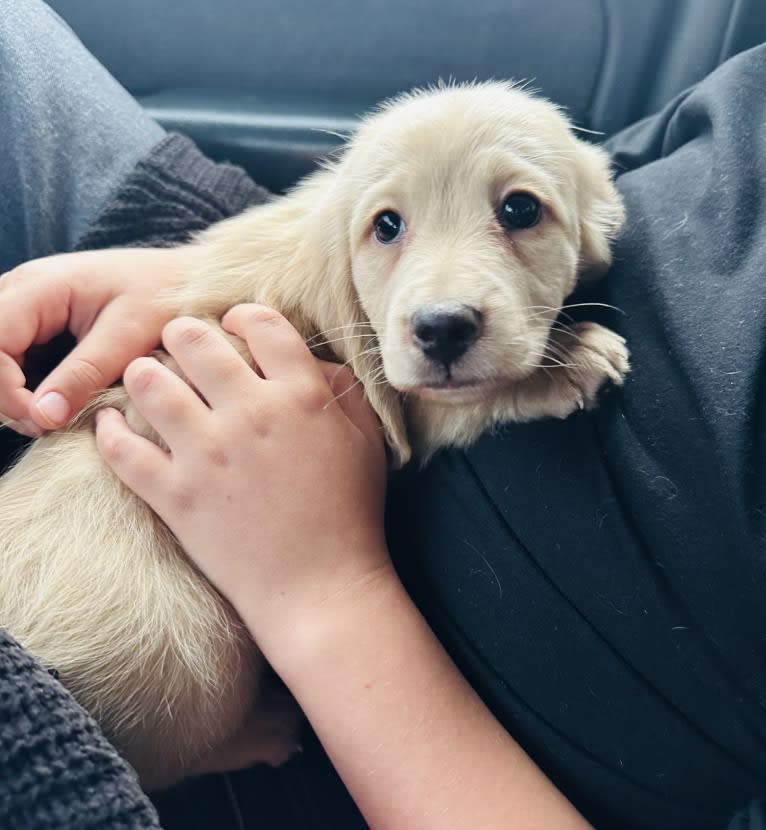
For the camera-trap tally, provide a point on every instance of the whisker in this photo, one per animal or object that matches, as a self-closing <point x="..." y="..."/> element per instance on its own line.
<point x="358" y="324"/>
<point x="348" y="338"/>
<point x="562" y="356"/>
<point x="593" y="305"/>
<point x="350" y="327"/>
<point x="564" y="329"/>
<point x="551" y="312"/>
<point x="553" y="364"/>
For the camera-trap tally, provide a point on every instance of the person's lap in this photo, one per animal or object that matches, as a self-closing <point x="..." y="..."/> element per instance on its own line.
<point x="669" y="445"/>
<point x="600" y="580"/>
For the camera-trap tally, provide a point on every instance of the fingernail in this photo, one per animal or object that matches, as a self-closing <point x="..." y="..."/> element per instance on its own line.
<point x="54" y="408"/>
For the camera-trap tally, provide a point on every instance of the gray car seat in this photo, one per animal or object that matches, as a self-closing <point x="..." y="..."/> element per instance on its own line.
<point x="267" y="84"/>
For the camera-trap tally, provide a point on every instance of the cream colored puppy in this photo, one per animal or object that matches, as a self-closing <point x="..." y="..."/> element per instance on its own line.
<point x="433" y="257"/>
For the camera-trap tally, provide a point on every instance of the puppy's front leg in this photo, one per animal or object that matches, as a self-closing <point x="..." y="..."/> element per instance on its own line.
<point x="580" y="360"/>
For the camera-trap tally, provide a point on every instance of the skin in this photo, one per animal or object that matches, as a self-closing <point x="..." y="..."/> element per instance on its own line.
<point x="109" y="300"/>
<point x="253" y="454"/>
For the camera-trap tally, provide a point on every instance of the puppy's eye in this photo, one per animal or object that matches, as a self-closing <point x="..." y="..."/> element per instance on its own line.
<point x="388" y="226"/>
<point x="520" y="210"/>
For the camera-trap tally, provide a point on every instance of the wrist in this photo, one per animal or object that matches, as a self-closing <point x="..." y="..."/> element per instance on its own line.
<point x="412" y="741"/>
<point x="299" y="634"/>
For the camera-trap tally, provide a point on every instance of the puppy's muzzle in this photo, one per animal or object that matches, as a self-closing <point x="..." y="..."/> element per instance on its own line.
<point x="445" y="333"/>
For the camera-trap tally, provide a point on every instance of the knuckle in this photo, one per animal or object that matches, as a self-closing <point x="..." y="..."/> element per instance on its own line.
<point x="20" y="273"/>
<point x="115" y="448"/>
<point x="264" y="316"/>
<point x="187" y="331"/>
<point x="86" y="373"/>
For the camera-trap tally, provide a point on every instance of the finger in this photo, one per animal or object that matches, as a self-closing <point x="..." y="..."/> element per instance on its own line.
<point x="211" y="363"/>
<point x="33" y="311"/>
<point x="15" y="399"/>
<point x="30" y="314"/>
<point x="118" y="336"/>
<point x="23" y="427"/>
<point x="350" y="396"/>
<point x="137" y="462"/>
<point x="169" y="404"/>
<point x="277" y="347"/>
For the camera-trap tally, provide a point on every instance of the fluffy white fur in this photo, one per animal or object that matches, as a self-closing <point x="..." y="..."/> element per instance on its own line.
<point x="94" y="585"/>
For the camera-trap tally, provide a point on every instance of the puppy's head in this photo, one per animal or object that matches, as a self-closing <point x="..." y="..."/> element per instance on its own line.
<point x="475" y="210"/>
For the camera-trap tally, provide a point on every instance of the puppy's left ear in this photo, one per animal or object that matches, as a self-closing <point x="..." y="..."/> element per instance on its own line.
<point x="601" y="211"/>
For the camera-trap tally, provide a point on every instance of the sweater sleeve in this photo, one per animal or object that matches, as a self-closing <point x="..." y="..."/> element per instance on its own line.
<point x="172" y="193"/>
<point x="56" y="767"/>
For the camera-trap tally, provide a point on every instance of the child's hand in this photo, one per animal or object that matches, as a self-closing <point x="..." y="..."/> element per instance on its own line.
<point x="275" y="488"/>
<point x="107" y="299"/>
<point x="274" y="483"/>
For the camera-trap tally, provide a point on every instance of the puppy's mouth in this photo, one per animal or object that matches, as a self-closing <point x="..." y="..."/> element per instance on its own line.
<point x="458" y="385"/>
<point x="448" y="388"/>
<point x="451" y="383"/>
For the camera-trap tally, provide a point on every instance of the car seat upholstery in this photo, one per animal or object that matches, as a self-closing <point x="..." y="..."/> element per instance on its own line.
<point x="267" y="84"/>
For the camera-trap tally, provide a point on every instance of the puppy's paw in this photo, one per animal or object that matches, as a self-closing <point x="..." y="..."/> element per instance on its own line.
<point x="271" y="734"/>
<point x="590" y="356"/>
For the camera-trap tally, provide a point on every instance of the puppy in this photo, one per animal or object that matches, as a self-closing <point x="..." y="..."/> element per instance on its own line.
<point x="433" y="254"/>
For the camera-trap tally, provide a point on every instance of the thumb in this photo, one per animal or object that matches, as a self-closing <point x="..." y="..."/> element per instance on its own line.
<point x="97" y="361"/>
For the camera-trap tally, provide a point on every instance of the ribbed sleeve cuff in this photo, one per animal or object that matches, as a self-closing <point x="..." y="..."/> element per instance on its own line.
<point x="173" y="193"/>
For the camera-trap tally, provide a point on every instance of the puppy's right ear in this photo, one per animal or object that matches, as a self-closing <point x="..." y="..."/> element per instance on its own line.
<point x="601" y="211"/>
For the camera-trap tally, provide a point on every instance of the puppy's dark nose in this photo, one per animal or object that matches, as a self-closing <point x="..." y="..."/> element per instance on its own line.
<point x="446" y="333"/>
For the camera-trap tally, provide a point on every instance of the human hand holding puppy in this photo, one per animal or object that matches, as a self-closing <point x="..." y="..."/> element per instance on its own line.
<point x="274" y="484"/>
<point x="111" y="301"/>
<point x="291" y="459"/>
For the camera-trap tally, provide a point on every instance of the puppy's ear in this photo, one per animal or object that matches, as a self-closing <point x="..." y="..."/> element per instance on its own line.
<point x="600" y="209"/>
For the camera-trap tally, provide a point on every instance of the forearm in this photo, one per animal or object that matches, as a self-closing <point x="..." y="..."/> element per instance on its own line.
<point x="413" y="742"/>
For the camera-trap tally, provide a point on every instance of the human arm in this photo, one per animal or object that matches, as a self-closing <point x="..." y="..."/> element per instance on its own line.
<point x="275" y="487"/>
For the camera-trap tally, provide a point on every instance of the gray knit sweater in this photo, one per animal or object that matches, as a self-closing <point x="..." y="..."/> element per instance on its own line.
<point x="57" y="771"/>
